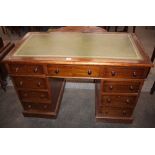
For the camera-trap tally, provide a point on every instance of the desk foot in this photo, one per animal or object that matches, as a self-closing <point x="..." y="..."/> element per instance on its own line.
<point x="39" y="114"/>
<point x="114" y="119"/>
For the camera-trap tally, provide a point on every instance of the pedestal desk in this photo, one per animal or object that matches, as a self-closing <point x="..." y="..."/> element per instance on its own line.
<point x="41" y="62"/>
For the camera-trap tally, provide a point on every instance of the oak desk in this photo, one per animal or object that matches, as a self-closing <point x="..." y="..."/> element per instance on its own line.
<point x="40" y="63"/>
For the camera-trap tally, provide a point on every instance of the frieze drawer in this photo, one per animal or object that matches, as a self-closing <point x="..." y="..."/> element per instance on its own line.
<point x="25" y="69"/>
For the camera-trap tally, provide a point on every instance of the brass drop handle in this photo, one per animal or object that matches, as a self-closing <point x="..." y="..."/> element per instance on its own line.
<point x="124" y="112"/>
<point x="111" y="87"/>
<point x="89" y="72"/>
<point x="131" y="87"/>
<point x="57" y="71"/>
<point x="113" y="73"/>
<point x="127" y="101"/>
<point x="21" y="83"/>
<point x="108" y="100"/>
<point x="39" y="84"/>
<point x="36" y="69"/>
<point x="134" y="74"/>
<point x="17" y="68"/>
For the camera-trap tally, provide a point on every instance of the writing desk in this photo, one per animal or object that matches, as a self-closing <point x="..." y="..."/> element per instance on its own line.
<point x="40" y="63"/>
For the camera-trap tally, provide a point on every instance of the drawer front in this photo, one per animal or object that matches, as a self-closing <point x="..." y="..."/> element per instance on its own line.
<point x="121" y="87"/>
<point x="22" y="69"/>
<point x="31" y="83"/>
<point x="115" y="112"/>
<point x="125" y="72"/>
<point x="34" y="96"/>
<point x="85" y="71"/>
<point x="59" y="70"/>
<point x="37" y="107"/>
<point x="73" y="71"/>
<point x="118" y="101"/>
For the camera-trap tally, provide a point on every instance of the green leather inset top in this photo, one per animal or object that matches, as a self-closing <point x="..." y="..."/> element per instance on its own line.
<point x="82" y="45"/>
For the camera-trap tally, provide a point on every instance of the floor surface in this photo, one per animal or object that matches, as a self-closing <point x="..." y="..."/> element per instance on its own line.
<point x="77" y="111"/>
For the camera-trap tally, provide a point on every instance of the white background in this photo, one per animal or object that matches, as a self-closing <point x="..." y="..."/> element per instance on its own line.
<point x="77" y="13"/>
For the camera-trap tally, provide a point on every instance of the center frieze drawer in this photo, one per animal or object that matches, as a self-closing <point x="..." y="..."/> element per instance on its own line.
<point x="73" y="70"/>
<point x="30" y="82"/>
<point x="86" y="71"/>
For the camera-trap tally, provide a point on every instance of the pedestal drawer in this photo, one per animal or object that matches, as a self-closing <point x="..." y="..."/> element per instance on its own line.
<point x="34" y="96"/>
<point x="25" y="69"/>
<point x="30" y="83"/>
<point x="85" y="71"/>
<point x="121" y="86"/>
<point x="118" y="101"/>
<point x="115" y="112"/>
<point x="37" y="107"/>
